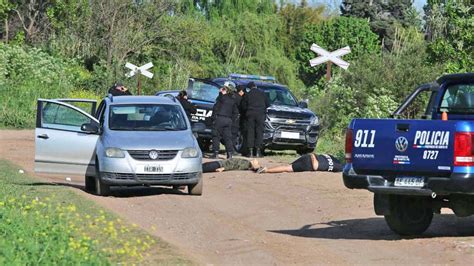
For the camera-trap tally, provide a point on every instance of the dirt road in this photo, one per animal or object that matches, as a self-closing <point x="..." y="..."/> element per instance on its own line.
<point x="245" y="218"/>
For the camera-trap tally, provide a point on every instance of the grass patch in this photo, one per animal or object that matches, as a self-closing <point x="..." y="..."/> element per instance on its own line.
<point x="42" y="223"/>
<point x="286" y="156"/>
<point x="332" y="144"/>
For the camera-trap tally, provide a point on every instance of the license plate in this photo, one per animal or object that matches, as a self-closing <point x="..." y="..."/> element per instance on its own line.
<point x="290" y="135"/>
<point x="409" y="182"/>
<point x="153" y="168"/>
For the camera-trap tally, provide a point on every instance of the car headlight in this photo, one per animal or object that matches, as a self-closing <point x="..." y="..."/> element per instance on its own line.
<point x="315" y="120"/>
<point x="114" y="153"/>
<point x="190" y="153"/>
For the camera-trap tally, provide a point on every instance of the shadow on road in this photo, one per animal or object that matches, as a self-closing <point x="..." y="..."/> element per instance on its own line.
<point x="446" y="225"/>
<point x="119" y="192"/>
<point x="139" y="191"/>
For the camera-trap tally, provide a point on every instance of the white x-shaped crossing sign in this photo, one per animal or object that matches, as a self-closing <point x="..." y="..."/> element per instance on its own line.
<point x="139" y="70"/>
<point x="329" y="56"/>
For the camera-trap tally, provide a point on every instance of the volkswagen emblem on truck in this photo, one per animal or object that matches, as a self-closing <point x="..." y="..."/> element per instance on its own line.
<point x="401" y="144"/>
<point x="153" y="154"/>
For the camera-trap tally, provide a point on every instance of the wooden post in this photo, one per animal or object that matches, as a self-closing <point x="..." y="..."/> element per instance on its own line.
<point x="328" y="70"/>
<point x="139" y="84"/>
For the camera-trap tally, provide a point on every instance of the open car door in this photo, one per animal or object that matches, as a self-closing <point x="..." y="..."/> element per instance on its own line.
<point x="65" y="137"/>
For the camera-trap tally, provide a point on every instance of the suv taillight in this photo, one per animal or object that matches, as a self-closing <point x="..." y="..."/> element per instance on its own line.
<point x="464" y="149"/>
<point x="349" y="145"/>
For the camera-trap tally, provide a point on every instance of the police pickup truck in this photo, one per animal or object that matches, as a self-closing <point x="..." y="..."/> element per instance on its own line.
<point x="289" y="125"/>
<point x="416" y="167"/>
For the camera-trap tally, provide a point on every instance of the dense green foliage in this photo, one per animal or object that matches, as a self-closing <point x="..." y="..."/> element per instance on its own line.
<point x="83" y="45"/>
<point x="450" y="27"/>
<point x="27" y="74"/>
<point x="384" y="16"/>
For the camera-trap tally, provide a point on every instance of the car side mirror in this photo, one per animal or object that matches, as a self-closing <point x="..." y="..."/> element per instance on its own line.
<point x="303" y="104"/>
<point x="197" y="127"/>
<point x="90" y="128"/>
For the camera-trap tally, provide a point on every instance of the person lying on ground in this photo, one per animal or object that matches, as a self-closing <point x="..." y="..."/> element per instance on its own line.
<point x="229" y="165"/>
<point x="307" y="162"/>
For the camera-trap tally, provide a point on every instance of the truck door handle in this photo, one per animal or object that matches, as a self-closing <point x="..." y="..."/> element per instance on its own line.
<point x="403" y="127"/>
<point x="43" y="136"/>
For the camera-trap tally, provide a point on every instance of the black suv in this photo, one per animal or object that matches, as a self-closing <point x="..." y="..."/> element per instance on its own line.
<point x="289" y="125"/>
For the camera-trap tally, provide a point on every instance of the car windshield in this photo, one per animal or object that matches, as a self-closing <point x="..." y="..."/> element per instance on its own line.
<point x="198" y="90"/>
<point x="458" y="98"/>
<point x="279" y="96"/>
<point x="147" y="117"/>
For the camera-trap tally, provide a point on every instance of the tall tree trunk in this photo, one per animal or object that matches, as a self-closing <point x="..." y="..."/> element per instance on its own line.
<point x="5" y="36"/>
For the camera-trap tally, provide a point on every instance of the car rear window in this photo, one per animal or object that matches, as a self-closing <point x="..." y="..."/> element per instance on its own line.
<point x="458" y="98"/>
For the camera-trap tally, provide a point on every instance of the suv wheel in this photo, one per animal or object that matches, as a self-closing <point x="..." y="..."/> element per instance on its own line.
<point x="196" y="189"/>
<point x="409" y="215"/>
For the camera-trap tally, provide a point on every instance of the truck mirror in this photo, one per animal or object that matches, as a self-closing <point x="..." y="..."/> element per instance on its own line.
<point x="303" y="104"/>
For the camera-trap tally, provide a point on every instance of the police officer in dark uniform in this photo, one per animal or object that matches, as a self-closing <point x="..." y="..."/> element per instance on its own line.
<point x="255" y="104"/>
<point x="224" y="112"/>
<point x="188" y="107"/>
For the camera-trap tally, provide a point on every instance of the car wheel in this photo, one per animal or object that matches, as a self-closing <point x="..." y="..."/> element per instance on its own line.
<point x="195" y="189"/>
<point x="409" y="215"/>
<point x="101" y="189"/>
<point x="90" y="183"/>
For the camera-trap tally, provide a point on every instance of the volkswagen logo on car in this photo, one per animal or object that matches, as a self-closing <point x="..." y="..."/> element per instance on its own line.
<point x="401" y="143"/>
<point x="153" y="154"/>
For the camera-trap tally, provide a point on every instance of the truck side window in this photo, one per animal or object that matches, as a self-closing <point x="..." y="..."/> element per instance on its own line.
<point x="458" y="98"/>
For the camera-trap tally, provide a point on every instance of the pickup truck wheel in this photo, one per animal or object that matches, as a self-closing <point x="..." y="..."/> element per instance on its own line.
<point x="409" y="215"/>
<point x="90" y="183"/>
<point x="195" y="189"/>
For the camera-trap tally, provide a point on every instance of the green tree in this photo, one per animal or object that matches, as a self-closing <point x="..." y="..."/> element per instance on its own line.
<point x="450" y="32"/>
<point x="384" y="16"/>
<point x="295" y="18"/>
<point x="5" y="11"/>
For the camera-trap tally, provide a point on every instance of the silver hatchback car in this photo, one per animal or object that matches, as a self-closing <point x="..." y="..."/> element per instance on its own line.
<point x="128" y="141"/>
